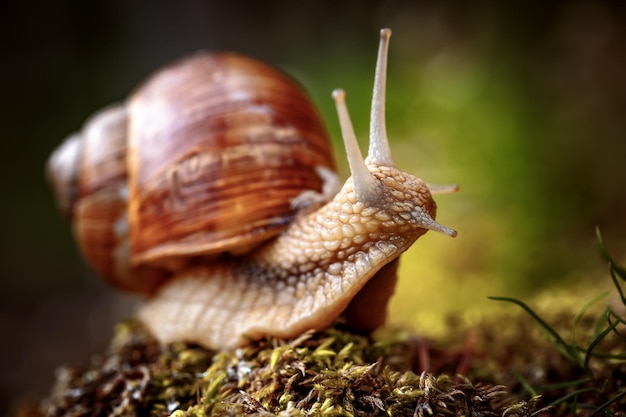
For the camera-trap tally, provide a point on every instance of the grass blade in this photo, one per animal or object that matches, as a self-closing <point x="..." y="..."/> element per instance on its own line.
<point x="582" y="312"/>
<point x="566" y="349"/>
<point x="572" y="394"/>
<point x="520" y="378"/>
<point x="621" y="271"/>
<point x="618" y="285"/>
<point x="608" y="404"/>
<point x="596" y="341"/>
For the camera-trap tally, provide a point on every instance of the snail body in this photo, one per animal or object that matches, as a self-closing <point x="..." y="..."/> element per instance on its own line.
<point x="278" y="268"/>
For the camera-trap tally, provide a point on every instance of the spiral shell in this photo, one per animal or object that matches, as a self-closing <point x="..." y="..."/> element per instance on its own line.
<point x="205" y="157"/>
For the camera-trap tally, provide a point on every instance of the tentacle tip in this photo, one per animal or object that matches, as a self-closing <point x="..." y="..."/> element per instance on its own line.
<point x="339" y="95"/>
<point x="385" y="33"/>
<point x="438" y="227"/>
<point x="445" y="230"/>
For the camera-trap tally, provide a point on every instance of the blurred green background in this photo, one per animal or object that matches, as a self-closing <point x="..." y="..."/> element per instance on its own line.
<point x="523" y="104"/>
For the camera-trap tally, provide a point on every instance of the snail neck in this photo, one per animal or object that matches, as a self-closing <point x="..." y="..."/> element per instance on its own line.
<point x="342" y="243"/>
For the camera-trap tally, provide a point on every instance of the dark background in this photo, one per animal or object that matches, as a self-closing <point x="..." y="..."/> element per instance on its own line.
<point x="522" y="103"/>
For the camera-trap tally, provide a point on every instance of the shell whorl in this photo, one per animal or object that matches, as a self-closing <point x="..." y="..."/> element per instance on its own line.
<point x="216" y="152"/>
<point x="219" y="146"/>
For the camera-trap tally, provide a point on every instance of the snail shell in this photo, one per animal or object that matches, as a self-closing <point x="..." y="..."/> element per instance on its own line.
<point x="207" y="156"/>
<point x="211" y="190"/>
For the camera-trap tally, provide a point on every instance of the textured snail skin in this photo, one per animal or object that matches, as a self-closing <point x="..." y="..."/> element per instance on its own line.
<point x="301" y="280"/>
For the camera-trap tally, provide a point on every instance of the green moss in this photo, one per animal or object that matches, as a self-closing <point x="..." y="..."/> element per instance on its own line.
<point x="557" y="361"/>
<point x="331" y="373"/>
<point x="339" y="373"/>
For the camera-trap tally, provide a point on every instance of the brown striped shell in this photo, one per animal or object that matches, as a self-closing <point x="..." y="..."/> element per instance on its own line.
<point x="207" y="156"/>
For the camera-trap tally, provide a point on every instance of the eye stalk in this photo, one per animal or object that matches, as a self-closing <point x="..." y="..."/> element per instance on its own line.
<point x="427" y="222"/>
<point x="367" y="188"/>
<point x="379" y="152"/>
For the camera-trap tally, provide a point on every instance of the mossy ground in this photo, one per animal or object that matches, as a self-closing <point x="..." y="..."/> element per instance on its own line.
<point x="339" y="373"/>
<point x="330" y="373"/>
<point x="558" y="362"/>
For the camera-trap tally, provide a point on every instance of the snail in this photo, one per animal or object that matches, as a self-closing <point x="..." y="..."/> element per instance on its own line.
<point x="212" y="191"/>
